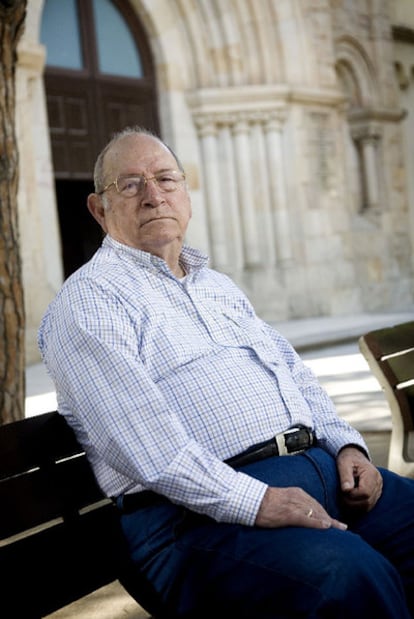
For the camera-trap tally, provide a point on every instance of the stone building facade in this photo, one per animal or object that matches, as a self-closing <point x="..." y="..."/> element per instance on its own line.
<point x="294" y="120"/>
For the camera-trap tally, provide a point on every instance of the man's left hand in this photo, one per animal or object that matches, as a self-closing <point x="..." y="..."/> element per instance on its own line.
<point x="361" y="482"/>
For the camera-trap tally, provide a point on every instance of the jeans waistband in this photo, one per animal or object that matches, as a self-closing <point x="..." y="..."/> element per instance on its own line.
<point x="290" y="442"/>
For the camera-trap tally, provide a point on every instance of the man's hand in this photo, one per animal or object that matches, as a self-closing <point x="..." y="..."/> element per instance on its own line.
<point x="293" y="507"/>
<point x="361" y="482"/>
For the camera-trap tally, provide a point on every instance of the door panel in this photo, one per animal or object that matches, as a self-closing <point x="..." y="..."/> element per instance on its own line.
<point x="125" y="106"/>
<point x="72" y="124"/>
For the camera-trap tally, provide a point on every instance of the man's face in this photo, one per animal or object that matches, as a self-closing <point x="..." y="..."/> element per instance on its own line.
<point x="154" y="220"/>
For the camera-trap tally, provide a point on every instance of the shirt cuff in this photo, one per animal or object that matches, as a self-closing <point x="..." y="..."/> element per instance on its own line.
<point x="243" y="502"/>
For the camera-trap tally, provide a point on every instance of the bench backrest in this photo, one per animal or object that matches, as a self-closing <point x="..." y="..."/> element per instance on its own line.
<point x="60" y="539"/>
<point x="390" y="355"/>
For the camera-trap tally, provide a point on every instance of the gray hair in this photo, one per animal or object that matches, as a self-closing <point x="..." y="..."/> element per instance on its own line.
<point x="98" y="175"/>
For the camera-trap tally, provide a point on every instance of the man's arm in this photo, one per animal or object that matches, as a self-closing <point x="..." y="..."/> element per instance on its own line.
<point x="122" y="417"/>
<point x="332" y="431"/>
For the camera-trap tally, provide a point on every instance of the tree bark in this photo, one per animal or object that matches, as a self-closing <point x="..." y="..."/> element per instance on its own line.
<point x="12" y="320"/>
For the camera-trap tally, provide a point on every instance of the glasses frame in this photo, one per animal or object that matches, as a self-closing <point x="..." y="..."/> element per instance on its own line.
<point x="146" y="179"/>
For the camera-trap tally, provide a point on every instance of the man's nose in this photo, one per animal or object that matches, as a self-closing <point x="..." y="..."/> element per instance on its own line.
<point x="153" y="196"/>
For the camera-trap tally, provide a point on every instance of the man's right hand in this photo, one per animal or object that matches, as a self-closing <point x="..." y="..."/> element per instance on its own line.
<point x="293" y="507"/>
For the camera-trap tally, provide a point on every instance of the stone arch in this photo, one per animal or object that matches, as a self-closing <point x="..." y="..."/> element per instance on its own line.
<point x="355" y="68"/>
<point x="216" y="44"/>
<point x="357" y="77"/>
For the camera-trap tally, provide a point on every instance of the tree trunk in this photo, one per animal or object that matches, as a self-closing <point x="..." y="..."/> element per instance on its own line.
<point x="12" y="323"/>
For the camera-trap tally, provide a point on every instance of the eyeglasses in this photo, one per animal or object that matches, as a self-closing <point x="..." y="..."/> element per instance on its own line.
<point x="131" y="186"/>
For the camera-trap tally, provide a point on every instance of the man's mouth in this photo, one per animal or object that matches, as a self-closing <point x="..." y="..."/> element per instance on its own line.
<point x="156" y="219"/>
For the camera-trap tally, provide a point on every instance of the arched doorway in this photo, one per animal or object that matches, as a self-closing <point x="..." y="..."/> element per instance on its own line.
<point x="99" y="78"/>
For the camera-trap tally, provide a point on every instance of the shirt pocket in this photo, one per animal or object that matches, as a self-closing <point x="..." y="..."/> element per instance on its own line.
<point x="230" y="327"/>
<point x="170" y="341"/>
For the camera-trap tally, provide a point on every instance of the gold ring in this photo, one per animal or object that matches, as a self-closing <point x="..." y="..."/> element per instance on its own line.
<point x="310" y="512"/>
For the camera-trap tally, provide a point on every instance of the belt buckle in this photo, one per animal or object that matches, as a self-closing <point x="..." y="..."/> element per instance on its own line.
<point x="282" y="441"/>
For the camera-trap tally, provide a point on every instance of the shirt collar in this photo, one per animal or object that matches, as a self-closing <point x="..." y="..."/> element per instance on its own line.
<point x="192" y="259"/>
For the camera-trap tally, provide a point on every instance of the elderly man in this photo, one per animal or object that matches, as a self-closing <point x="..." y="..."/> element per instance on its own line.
<point x="242" y="493"/>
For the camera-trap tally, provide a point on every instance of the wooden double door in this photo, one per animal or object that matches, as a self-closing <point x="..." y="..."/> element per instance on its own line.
<point x="85" y="107"/>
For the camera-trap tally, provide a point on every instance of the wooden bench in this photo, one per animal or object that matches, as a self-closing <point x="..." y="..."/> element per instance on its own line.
<point x="60" y="539"/>
<point x="390" y="355"/>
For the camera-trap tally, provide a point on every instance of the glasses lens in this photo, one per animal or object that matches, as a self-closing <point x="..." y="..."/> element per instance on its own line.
<point x="130" y="186"/>
<point x="168" y="181"/>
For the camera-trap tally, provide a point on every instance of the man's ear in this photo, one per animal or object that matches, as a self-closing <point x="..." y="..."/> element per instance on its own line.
<point x="97" y="210"/>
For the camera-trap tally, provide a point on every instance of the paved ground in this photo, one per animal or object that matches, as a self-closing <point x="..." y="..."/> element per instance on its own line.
<point x="330" y="348"/>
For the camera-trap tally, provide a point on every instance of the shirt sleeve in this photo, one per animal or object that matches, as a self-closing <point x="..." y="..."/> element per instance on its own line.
<point x="332" y="432"/>
<point x="90" y="347"/>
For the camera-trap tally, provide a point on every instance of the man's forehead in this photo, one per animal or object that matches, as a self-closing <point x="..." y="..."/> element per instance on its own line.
<point x="140" y="150"/>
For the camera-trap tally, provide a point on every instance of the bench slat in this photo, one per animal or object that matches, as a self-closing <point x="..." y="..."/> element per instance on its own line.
<point x="391" y="339"/>
<point x="402" y="366"/>
<point x="27" y="443"/>
<point x="45" y="494"/>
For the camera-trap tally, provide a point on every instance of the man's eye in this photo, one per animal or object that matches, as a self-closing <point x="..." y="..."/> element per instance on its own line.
<point x="165" y="178"/>
<point x="130" y="184"/>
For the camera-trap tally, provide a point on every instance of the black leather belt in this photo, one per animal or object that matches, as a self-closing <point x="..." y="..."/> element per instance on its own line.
<point x="292" y="441"/>
<point x="138" y="500"/>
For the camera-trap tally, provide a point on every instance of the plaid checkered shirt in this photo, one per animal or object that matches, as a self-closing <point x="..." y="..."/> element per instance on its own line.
<point x="162" y="379"/>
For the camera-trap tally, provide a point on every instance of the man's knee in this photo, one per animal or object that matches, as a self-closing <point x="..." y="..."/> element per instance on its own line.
<point x="295" y="572"/>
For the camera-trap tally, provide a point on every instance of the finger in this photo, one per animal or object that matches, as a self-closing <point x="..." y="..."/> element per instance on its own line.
<point x="318" y="518"/>
<point x="350" y="481"/>
<point x="337" y="524"/>
<point x="364" y="492"/>
<point x="362" y="501"/>
<point x="322" y="523"/>
<point x="369" y="501"/>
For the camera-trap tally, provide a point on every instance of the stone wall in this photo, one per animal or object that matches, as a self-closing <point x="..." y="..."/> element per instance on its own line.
<point x="288" y="117"/>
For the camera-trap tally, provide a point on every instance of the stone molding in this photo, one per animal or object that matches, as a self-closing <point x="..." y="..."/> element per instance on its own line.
<point x="31" y="57"/>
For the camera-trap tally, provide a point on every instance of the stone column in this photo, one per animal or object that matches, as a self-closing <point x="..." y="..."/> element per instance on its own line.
<point x="207" y="130"/>
<point x="38" y="218"/>
<point x="369" y="156"/>
<point x="367" y="135"/>
<point x="229" y="190"/>
<point x="246" y="192"/>
<point x="261" y="184"/>
<point x="277" y="184"/>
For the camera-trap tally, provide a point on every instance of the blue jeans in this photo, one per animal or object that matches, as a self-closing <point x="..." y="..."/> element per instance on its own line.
<point x="203" y="568"/>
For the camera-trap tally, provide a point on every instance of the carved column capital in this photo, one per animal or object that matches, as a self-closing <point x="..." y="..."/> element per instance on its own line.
<point x="206" y="124"/>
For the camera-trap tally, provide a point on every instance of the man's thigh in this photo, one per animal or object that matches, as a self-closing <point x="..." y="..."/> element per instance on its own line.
<point x="246" y="572"/>
<point x="389" y="527"/>
<point x="253" y="573"/>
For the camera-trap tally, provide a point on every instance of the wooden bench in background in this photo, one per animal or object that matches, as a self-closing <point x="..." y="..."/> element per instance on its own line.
<point x="60" y="539"/>
<point x="390" y="355"/>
